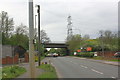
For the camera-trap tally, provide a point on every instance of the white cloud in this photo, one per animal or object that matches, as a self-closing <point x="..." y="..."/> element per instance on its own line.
<point x="89" y="16"/>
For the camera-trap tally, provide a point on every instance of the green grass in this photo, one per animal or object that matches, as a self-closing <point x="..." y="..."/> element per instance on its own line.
<point x="115" y="60"/>
<point x="98" y="58"/>
<point x="107" y="59"/>
<point x="12" y="72"/>
<point x="50" y="72"/>
<point x="36" y="58"/>
<point x="101" y="58"/>
<point x="0" y="73"/>
<point x="42" y="57"/>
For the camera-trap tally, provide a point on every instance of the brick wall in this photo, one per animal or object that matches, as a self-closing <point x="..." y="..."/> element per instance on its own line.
<point x="107" y="53"/>
<point x="26" y="57"/>
<point x="10" y="60"/>
<point x="4" y="61"/>
<point x="9" y="51"/>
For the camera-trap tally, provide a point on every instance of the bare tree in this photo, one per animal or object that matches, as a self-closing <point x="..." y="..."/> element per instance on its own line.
<point x="21" y="29"/>
<point x="109" y="39"/>
<point x="86" y="37"/>
<point x="44" y="37"/>
<point x="6" y="24"/>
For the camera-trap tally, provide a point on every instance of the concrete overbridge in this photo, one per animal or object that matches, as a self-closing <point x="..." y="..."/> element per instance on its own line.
<point x="57" y="45"/>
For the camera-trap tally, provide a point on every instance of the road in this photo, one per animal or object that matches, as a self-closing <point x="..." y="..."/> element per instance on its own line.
<point x="69" y="67"/>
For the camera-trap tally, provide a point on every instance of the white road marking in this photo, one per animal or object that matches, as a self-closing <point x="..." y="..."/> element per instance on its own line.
<point x="96" y="71"/>
<point x="82" y="58"/>
<point x="59" y="76"/>
<point x="112" y="77"/>
<point x="83" y="66"/>
<point x="75" y="63"/>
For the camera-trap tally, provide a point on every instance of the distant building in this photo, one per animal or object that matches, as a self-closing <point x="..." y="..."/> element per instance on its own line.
<point x="12" y="54"/>
<point x="8" y="50"/>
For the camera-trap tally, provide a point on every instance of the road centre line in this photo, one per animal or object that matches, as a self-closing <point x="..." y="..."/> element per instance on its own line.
<point x="83" y="66"/>
<point x="96" y="71"/>
<point x="73" y="62"/>
<point x="80" y="65"/>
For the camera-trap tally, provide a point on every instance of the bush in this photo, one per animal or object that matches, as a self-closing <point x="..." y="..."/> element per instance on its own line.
<point x="50" y="72"/>
<point x="12" y="72"/>
<point x="86" y="54"/>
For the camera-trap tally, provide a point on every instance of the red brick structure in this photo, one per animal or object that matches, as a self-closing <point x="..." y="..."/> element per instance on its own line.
<point x="15" y="59"/>
<point x="107" y="53"/>
<point x="10" y="60"/>
<point x="14" y="54"/>
<point x="4" y="61"/>
<point x="26" y="57"/>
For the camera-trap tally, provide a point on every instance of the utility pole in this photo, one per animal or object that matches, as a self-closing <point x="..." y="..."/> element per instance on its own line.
<point x="31" y="39"/>
<point x="38" y="11"/>
<point x="35" y="33"/>
<point x="102" y="45"/>
<point x="0" y="57"/>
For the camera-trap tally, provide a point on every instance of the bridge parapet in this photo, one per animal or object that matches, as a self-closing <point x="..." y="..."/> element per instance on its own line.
<point x="57" y="42"/>
<point x="55" y="45"/>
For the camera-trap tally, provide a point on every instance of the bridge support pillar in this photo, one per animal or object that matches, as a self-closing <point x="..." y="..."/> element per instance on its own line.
<point x="67" y="52"/>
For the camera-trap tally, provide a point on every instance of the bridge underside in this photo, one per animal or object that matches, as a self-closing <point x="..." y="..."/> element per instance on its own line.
<point x="55" y="45"/>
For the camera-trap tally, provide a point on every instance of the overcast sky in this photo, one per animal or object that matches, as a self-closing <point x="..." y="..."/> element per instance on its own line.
<point x="88" y="16"/>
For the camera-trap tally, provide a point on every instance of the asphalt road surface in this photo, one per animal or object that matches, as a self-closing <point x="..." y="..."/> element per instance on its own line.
<point x="68" y="67"/>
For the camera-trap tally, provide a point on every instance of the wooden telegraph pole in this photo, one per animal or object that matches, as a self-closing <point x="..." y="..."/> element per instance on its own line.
<point x="38" y="11"/>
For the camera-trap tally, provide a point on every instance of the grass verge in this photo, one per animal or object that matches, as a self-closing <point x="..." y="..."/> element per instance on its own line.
<point x="102" y="58"/>
<point x="50" y="72"/>
<point x="36" y="58"/>
<point x="12" y="72"/>
<point x="0" y="73"/>
<point x="107" y="59"/>
<point x="42" y="57"/>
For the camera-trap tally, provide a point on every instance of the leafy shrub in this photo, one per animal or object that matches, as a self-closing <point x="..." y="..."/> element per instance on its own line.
<point x="12" y="72"/>
<point x="86" y="54"/>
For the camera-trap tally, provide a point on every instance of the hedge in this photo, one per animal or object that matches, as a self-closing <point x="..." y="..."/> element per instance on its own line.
<point x="86" y="54"/>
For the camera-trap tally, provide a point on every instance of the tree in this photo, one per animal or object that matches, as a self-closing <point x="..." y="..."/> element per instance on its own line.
<point x="21" y="29"/>
<point x="61" y="51"/>
<point x="74" y="42"/>
<point x="0" y="36"/>
<point x="43" y="37"/>
<point x="52" y="50"/>
<point x="86" y="37"/>
<point x="94" y="43"/>
<point x="109" y="39"/>
<point x="20" y="37"/>
<point x="6" y="24"/>
<point x="7" y="27"/>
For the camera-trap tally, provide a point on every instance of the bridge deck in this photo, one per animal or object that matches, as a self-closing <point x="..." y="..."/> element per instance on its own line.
<point x="55" y="45"/>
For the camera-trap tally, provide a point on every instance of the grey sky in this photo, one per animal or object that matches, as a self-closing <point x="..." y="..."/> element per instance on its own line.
<point x="88" y="16"/>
